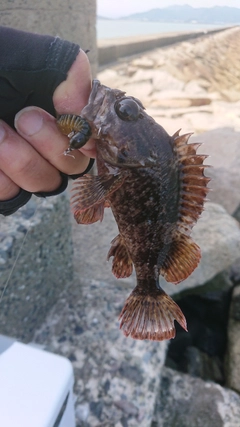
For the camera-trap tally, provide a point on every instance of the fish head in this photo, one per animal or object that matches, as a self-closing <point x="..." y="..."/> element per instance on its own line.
<point x="120" y="124"/>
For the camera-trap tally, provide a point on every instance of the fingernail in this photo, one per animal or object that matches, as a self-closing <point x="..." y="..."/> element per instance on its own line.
<point x="2" y="133"/>
<point x="28" y="122"/>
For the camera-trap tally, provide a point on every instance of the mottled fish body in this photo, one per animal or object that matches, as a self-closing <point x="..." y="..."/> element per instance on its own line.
<point x="156" y="188"/>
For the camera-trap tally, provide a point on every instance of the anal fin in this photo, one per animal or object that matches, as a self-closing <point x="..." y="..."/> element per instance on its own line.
<point x="182" y="259"/>
<point x="122" y="265"/>
<point x="150" y="316"/>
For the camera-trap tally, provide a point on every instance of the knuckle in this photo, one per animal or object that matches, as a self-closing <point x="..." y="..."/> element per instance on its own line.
<point x="28" y="166"/>
<point x="8" y="189"/>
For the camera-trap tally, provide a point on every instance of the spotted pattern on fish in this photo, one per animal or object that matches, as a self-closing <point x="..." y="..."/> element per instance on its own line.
<point x="155" y="185"/>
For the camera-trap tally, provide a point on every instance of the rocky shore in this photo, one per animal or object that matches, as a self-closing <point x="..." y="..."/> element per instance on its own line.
<point x="193" y="380"/>
<point x="110" y="50"/>
<point x="193" y="85"/>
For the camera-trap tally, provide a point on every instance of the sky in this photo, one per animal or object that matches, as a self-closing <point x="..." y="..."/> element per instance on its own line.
<point x="118" y="8"/>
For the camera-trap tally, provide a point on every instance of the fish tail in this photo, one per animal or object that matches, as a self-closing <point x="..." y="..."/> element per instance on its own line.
<point x="150" y="315"/>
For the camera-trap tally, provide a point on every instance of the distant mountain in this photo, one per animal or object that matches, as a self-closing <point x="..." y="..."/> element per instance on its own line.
<point x="104" y="17"/>
<point x="186" y="14"/>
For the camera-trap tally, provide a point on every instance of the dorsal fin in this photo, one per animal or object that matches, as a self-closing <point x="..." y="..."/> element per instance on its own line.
<point x="184" y="255"/>
<point x="193" y="182"/>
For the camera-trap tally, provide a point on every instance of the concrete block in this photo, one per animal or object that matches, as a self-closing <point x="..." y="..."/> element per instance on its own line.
<point x="35" y="264"/>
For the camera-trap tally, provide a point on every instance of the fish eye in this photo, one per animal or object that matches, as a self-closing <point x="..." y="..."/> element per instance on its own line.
<point x="127" y="109"/>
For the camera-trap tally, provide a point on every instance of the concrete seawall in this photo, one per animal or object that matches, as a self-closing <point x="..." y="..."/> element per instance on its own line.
<point x="110" y="50"/>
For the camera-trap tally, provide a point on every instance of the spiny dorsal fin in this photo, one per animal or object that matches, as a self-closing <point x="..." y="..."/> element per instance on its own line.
<point x="184" y="255"/>
<point x="193" y="182"/>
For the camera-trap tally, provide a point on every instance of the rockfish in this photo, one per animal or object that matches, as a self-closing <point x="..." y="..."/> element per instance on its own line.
<point x="155" y="185"/>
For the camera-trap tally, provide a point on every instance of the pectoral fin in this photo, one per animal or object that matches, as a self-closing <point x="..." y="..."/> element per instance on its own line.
<point x="122" y="265"/>
<point x="90" y="194"/>
<point x="89" y="216"/>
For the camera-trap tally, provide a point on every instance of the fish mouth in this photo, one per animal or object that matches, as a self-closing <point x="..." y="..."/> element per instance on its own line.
<point x="95" y="100"/>
<point x="100" y="100"/>
<point x="95" y="86"/>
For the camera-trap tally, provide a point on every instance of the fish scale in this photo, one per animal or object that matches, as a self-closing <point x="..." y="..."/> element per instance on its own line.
<point x="155" y="185"/>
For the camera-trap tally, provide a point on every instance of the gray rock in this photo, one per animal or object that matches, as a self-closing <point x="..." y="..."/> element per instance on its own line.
<point x="200" y="364"/>
<point x="185" y="401"/>
<point x="143" y="62"/>
<point x="236" y="213"/>
<point x="164" y="81"/>
<point x="233" y="352"/>
<point x="235" y="272"/>
<point x="235" y="306"/>
<point x="218" y="236"/>
<point x="223" y="147"/>
<point x="82" y="412"/>
<point x="116" y="375"/>
<point x="140" y="90"/>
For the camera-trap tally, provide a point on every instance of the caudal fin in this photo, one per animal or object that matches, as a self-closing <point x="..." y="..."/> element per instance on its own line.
<point x="150" y="317"/>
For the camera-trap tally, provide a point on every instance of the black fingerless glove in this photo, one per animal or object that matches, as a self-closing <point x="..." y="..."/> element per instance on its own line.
<point x="8" y="207"/>
<point x="31" y="67"/>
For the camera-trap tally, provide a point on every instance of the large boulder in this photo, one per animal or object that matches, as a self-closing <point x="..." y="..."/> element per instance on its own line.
<point x="223" y="147"/>
<point x="233" y="354"/>
<point x="185" y="401"/>
<point x="218" y="235"/>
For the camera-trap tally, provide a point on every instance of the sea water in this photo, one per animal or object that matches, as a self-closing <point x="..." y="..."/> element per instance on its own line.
<point x="108" y="28"/>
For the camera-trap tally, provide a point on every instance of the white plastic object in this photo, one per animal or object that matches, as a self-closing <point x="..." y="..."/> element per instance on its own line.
<point x="36" y="387"/>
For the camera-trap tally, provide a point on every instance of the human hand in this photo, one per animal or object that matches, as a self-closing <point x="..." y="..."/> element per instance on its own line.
<point x="32" y="156"/>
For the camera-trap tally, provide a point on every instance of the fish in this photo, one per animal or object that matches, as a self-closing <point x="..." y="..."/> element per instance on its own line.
<point x="156" y="187"/>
